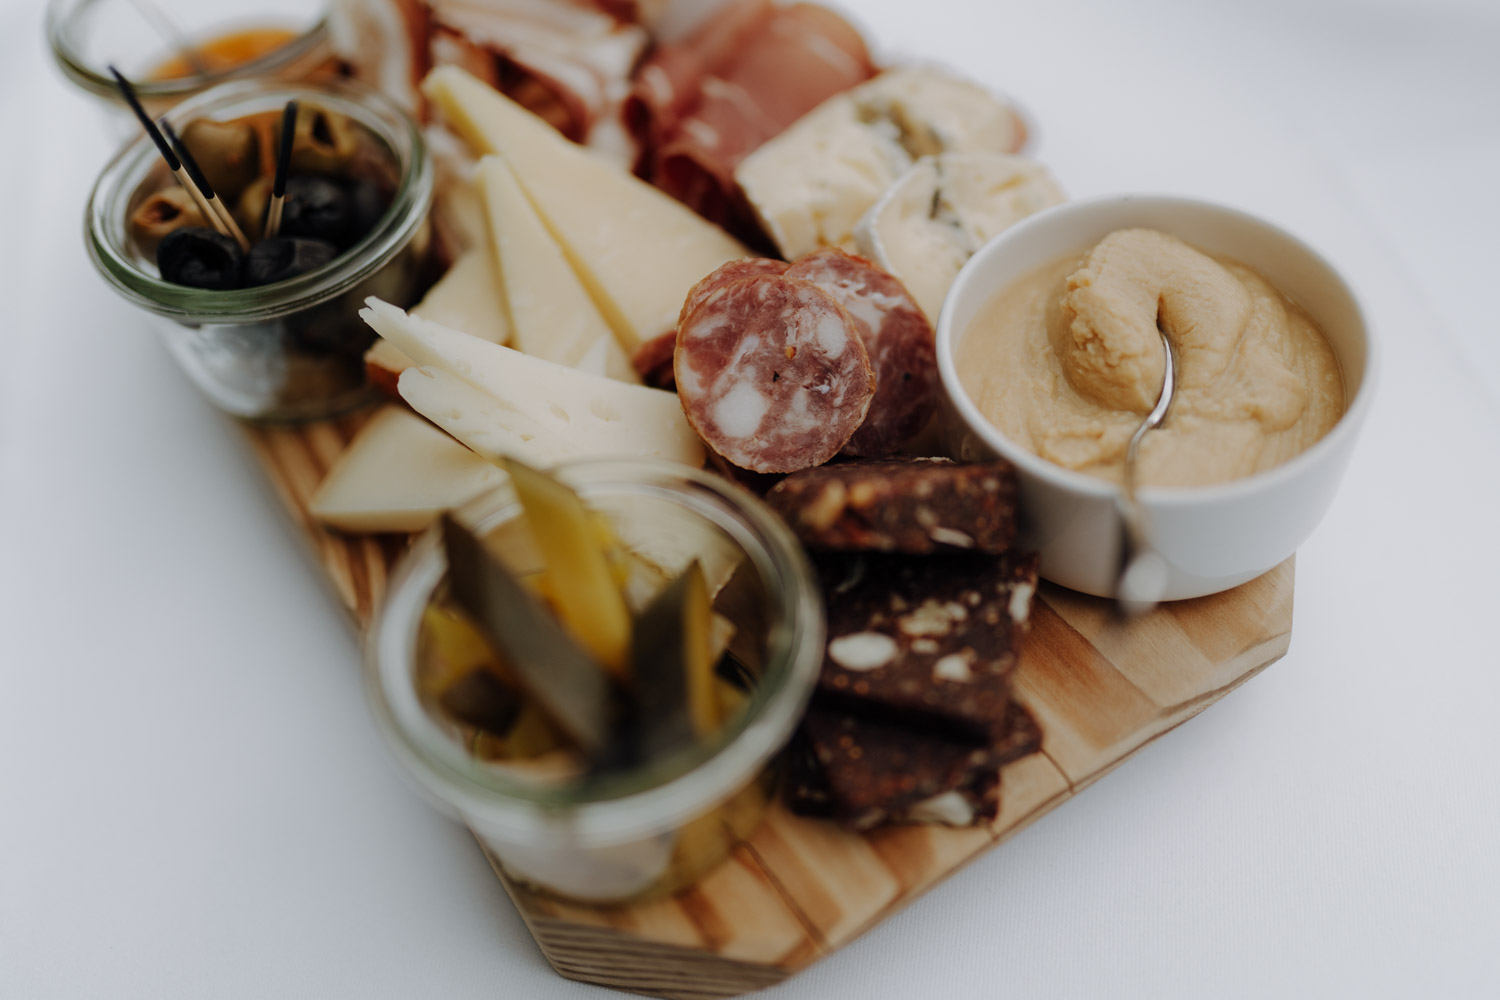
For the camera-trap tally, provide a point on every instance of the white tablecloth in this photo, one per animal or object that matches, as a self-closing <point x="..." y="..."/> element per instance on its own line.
<point x="194" y="800"/>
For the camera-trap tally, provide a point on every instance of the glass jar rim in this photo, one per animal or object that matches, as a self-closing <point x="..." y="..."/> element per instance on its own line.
<point x="121" y="177"/>
<point x="641" y="801"/>
<point x="76" y="69"/>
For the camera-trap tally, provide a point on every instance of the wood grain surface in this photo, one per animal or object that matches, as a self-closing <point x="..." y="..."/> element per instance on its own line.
<point x="800" y="888"/>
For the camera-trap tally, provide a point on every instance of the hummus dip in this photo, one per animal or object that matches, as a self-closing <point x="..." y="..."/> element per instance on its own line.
<point x="1067" y="361"/>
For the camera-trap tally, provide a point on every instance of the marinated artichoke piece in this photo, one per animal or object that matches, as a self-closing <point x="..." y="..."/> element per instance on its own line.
<point x="161" y="213"/>
<point x="227" y="152"/>
<point x="250" y="207"/>
<point x="324" y="142"/>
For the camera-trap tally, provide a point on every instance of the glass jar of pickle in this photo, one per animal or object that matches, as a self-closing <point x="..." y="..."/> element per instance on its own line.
<point x="290" y="348"/>
<point x="654" y="827"/>
<point x="176" y="49"/>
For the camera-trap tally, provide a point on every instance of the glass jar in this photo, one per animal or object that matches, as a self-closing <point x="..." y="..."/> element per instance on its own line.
<point x="88" y="36"/>
<point x="292" y="350"/>
<point x="652" y="829"/>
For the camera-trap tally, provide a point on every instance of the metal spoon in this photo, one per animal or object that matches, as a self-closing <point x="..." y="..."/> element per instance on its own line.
<point x="1143" y="572"/>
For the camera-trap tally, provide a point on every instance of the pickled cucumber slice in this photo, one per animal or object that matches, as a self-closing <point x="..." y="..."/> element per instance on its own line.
<point x="555" y="670"/>
<point x="462" y="674"/>
<point x="582" y="579"/>
<point x="672" y="660"/>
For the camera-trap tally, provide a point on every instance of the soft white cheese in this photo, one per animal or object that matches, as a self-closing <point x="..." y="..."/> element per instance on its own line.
<point x="811" y="184"/>
<point x="937" y="214"/>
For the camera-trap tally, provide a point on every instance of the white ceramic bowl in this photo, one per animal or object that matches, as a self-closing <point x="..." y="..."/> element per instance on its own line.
<point x="1212" y="537"/>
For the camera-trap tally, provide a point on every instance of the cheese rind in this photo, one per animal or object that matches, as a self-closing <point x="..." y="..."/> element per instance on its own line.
<point x="551" y="313"/>
<point x="398" y="474"/>
<point x="811" y="184"/>
<point x="637" y="250"/>
<point x="533" y="405"/>
<point x="937" y="214"/>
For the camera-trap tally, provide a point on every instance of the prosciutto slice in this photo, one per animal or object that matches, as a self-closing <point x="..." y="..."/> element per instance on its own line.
<point x="569" y="61"/>
<point x="700" y="106"/>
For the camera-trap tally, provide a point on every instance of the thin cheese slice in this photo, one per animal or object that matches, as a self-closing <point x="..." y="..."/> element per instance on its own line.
<point x="596" y="416"/>
<point x="551" y="312"/>
<point x="398" y="474"/>
<point x="483" y="423"/>
<point x="637" y="250"/>
<point x="467" y="298"/>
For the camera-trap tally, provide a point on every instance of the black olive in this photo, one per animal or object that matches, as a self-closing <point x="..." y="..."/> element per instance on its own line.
<point x="199" y="258"/>
<point x="284" y="257"/>
<point x="317" y="207"/>
<point x="367" y="203"/>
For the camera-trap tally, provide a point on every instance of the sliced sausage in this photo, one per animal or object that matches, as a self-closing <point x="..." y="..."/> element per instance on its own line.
<point x="772" y="373"/>
<point x="746" y="267"/>
<point x="898" y="338"/>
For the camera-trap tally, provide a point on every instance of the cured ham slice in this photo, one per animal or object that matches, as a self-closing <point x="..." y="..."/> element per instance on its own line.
<point x="568" y="61"/>
<point x="699" y="107"/>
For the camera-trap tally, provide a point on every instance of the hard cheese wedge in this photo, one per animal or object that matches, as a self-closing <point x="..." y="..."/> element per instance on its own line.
<point x="551" y="312"/>
<point x="943" y="209"/>
<point x="637" y="250"/>
<point x="548" y="405"/>
<point x="467" y="298"/>
<point x="398" y="474"/>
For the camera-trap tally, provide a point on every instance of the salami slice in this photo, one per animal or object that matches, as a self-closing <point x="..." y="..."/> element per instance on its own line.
<point x="745" y="267"/>
<point x="899" y="340"/>
<point x="772" y="373"/>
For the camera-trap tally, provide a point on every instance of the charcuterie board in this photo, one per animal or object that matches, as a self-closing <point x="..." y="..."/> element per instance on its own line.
<point x="801" y="888"/>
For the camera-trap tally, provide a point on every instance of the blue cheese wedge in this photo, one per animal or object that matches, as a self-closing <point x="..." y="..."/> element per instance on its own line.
<point x="811" y="184"/>
<point x="943" y="209"/>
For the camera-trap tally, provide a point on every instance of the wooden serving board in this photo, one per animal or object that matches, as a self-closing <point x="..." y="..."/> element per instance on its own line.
<point x="800" y="888"/>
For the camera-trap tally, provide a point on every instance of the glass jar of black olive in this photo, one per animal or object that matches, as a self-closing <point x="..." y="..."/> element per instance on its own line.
<point x="273" y="334"/>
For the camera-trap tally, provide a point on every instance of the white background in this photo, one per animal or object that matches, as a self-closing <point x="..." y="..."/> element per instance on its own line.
<point x="194" y="801"/>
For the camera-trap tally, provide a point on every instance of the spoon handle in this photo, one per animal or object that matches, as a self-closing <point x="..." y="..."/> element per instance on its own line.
<point x="1142" y="582"/>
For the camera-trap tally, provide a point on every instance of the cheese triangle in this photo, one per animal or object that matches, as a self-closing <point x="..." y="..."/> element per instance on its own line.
<point x="469" y="298"/>
<point x="466" y="298"/>
<point x="552" y="314"/>
<point x="398" y="474"/>
<point x="637" y="249"/>
<point x="484" y="424"/>
<point x="594" y="416"/>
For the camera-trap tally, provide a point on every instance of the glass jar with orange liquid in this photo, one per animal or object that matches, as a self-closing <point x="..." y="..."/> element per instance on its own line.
<point x="176" y="49"/>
